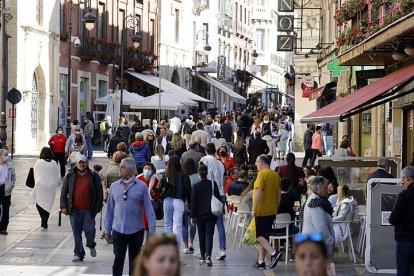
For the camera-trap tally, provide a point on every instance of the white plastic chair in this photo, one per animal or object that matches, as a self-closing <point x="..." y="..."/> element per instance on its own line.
<point x="283" y="221"/>
<point x="346" y="227"/>
<point x="242" y="213"/>
<point x="362" y="212"/>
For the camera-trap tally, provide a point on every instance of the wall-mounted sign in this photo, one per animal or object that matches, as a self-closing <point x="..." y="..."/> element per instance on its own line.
<point x="362" y="77"/>
<point x="285" y="43"/>
<point x="286" y="5"/>
<point x="308" y="85"/>
<point x="221" y="67"/>
<point x="285" y="23"/>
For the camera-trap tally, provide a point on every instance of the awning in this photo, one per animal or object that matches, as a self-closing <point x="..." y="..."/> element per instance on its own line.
<point x="322" y="90"/>
<point x="233" y="95"/>
<point x="372" y="95"/>
<point x="169" y="101"/>
<point x="128" y="98"/>
<point x="168" y="86"/>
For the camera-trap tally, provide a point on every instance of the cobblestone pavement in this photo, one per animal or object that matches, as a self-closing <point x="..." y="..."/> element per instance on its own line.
<point x="31" y="250"/>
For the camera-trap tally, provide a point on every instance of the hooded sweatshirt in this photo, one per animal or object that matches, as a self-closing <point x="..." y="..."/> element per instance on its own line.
<point x="141" y="152"/>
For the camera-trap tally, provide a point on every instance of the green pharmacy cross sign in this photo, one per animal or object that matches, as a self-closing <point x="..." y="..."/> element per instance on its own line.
<point x="335" y="68"/>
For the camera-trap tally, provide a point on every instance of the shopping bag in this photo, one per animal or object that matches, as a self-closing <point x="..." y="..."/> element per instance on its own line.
<point x="250" y="235"/>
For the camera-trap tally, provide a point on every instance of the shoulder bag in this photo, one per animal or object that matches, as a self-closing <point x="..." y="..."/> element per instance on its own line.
<point x="30" y="180"/>
<point x="216" y="204"/>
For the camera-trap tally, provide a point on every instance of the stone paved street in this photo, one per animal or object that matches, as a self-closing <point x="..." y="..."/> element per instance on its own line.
<point x="31" y="250"/>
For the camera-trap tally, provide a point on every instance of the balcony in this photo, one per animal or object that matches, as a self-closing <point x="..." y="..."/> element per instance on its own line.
<point x="261" y="13"/>
<point x="225" y="23"/>
<point x="244" y="31"/>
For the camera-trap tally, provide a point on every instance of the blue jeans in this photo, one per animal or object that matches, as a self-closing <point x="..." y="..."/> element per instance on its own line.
<point x="122" y="242"/>
<point x="82" y="221"/>
<point x="173" y="216"/>
<point x="405" y="258"/>
<point x="88" y="141"/>
<point x="220" y="228"/>
<point x="186" y="223"/>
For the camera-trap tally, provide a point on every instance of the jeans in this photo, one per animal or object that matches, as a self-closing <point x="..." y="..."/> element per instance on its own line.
<point x="405" y="258"/>
<point x="173" y="215"/>
<point x="88" y="141"/>
<point x="44" y="215"/>
<point x="105" y="141"/>
<point x="220" y="228"/>
<point x="328" y="145"/>
<point x="308" y="156"/>
<point x="5" y="202"/>
<point x="186" y="224"/>
<point x="205" y="225"/>
<point x="315" y="153"/>
<point x="82" y="221"/>
<point x="60" y="158"/>
<point x="122" y="242"/>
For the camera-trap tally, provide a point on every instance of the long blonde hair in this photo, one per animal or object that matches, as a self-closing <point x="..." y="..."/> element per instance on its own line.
<point x="343" y="192"/>
<point x="176" y="142"/>
<point x="159" y="151"/>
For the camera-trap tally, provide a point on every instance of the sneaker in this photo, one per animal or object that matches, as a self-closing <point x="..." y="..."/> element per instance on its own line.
<point x="197" y="254"/>
<point x="4" y="232"/>
<point x="93" y="252"/>
<point x="201" y="260"/>
<point x="186" y="251"/>
<point x="260" y="265"/>
<point x="77" y="259"/>
<point x="274" y="258"/>
<point x="191" y="249"/>
<point x="222" y="255"/>
<point x="208" y="261"/>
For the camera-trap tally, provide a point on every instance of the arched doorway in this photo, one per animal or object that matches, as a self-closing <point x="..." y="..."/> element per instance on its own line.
<point x="175" y="78"/>
<point x="37" y="109"/>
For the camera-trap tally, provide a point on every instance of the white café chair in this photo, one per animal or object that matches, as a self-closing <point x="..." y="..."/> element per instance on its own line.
<point x="243" y="212"/>
<point x="236" y="201"/>
<point x="282" y="221"/>
<point x="345" y="228"/>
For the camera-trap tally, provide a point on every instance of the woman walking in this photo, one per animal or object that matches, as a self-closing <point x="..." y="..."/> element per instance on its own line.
<point x="174" y="201"/>
<point x="177" y="145"/>
<point x="159" y="160"/>
<point x="283" y="142"/>
<point x="57" y="143"/>
<point x="239" y="152"/>
<point x="8" y="181"/>
<point x="46" y="179"/>
<point x="201" y="213"/>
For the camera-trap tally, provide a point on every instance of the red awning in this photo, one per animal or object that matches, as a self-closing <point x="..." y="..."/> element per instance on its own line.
<point x="368" y="95"/>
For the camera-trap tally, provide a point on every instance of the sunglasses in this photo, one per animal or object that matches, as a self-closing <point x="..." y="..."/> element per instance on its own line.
<point x="315" y="237"/>
<point x="125" y="195"/>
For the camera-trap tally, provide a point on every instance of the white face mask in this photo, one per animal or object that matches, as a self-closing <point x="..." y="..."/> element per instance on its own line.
<point x="77" y="132"/>
<point x="265" y="122"/>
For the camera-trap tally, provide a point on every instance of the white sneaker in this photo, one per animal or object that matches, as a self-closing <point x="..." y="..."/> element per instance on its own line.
<point x="197" y="254"/>
<point x="186" y="251"/>
<point x="222" y="255"/>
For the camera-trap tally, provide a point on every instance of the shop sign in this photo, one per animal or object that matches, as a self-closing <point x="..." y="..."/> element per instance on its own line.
<point x="363" y="76"/>
<point x="307" y="86"/>
<point x="285" y="43"/>
<point x="286" y="5"/>
<point x="221" y="67"/>
<point x="285" y="23"/>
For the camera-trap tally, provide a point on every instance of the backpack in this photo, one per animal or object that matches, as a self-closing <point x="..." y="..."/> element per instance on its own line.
<point x="188" y="129"/>
<point x="103" y="126"/>
<point x="74" y="154"/>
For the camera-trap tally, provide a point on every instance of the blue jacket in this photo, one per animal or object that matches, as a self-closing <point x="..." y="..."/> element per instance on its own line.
<point x="141" y="152"/>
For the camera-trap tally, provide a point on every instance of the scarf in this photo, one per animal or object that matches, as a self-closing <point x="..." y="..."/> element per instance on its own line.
<point x="321" y="202"/>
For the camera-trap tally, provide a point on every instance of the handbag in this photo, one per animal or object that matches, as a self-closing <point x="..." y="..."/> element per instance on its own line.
<point x="216" y="204"/>
<point x="249" y="237"/>
<point x="30" y="180"/>
<point x="165" y="188"/>
<point x="158" y="209"/>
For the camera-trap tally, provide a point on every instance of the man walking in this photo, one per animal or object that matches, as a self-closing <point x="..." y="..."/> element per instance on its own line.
<point x="127" y="198"/>
<point x="163" y="139"/>
<point x="266" y="200"/>
<point x="307" y="144"/>
<point x="106" y="129"/>
<point x="82" y="198"/>
<point x="88" y="132"/>
<point x="402" y="217"/>
<point x="216" y="173"/>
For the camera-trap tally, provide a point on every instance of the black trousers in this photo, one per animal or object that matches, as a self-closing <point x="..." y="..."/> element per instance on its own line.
<point x="61" y="160"/>
<point x="122" y="242"/>
<point x="308" y="156"/>
<point x="44" y="215"/>
<point x="205" y="225"/>
<point x="5" y="202"/>
<point x="315" y="153"/>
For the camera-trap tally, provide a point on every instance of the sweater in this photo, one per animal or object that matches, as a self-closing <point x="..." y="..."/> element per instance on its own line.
<point x="317" y="141"/>
<point x="402" y="216"/>
<point x="201" y="198"/>
<point x="59" y="145"/>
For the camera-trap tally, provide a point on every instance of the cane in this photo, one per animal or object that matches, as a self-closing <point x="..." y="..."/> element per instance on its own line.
<point x="100" y="223"/>
<point x="60" y="219"/>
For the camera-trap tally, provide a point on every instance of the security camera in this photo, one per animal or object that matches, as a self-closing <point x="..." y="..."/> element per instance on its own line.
<point x="76" y="42"/>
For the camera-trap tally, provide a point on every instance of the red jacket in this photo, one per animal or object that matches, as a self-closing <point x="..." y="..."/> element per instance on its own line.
<point x="60" y="141"/>
<point x="155" y="195"/>
<point x="229" y="163"/>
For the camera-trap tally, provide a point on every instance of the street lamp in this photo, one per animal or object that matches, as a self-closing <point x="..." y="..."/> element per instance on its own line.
<point x="131" y="21"/>
<point x="89" y="20"/>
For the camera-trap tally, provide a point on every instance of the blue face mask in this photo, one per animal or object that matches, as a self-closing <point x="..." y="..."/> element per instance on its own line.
<point x="60" y="132"/>
<point x="6" y="158"/>
<point x="77" y="132"/>
<point x="147" y="173"/>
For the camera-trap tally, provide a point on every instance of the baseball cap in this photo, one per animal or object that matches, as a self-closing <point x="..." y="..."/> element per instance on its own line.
<point x="80" y="158"/>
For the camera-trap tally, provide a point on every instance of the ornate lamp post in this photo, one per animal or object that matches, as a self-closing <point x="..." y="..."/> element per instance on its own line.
<point x="89" y="19"/>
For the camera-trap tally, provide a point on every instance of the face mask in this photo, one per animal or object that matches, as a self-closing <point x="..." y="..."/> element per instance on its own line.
<point x="77" y="132"/>
<point x="147" y="173"/>
<point x="265" y="122"/>
<point x="6" y="158"/>
<point x="60" y="132"/>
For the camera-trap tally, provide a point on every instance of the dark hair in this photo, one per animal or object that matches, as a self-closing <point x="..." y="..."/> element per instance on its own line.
<point x="210" y="149"/>
<point x="78" y="138"/>
<point x="173" y="166"/>
<point x="320" y="245"/>
<point x="121" y="146"/>
<point x="203" y="171"/>
<point x="257" y="135"/>
<point x="346" y="135"/>
<point x="244" y="168"/>
<point x="344" y="144"/>
<point x="118" y="133"/>
<point x="59" y="128"/>
<point x="316" y="168"/>
<point x="97" y="167"/>
<point x="310" y="172"/>
<point x="151" y="165"/>
<point x="75" y="122"/>
<point x="252" y="167"/>
<point x="152" y="243"/>
<point x="118" y="156"/>
<point x="200" y="125"/>
<point x="318" y="128"/>
<point x="242" y="174"/>
<point x="329" y="174"/>
<point x="189" y="167"/>
<point x="46" y="154"/>
<point x="290" y="158"/>
<point x="285" y="184"/>
<point x="231" y="171"/>
<point x="218" y="134"/>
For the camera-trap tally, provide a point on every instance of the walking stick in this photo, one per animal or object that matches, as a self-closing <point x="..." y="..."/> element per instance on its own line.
<point x="60" y="219"/>
<point x="100" y="223"/>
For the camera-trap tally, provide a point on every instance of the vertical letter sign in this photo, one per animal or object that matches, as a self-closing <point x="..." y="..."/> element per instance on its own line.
<point x="285" y="23"/>
<point x="286" y="6"/>
<point x="221" y="67"/>
<point x="285" y="43"/>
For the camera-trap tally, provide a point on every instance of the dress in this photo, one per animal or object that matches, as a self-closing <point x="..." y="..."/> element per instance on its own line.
<point x="284" y="139"/>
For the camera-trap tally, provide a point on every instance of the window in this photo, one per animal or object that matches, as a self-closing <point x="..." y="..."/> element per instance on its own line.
<point x="138" y="22"/>
<point x="121" y="17"/>
<point x="237" y="8"/>
<point x="102" y="88"/>
<point x="62" y="99"/>
<point x="245" y="15"/>
<point x="205" y="33"/>
<point x="83" y="97"/>
<point x="62" y="17"/>
<point x="81" y="24"/>
<point x="39" y="12"/>
<point x="151" y="35"/>
<point x="101" y="21"/>
<point x="241" y="13"/>
<point x="177" y="25"/>
<point x="260" y="39"/>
